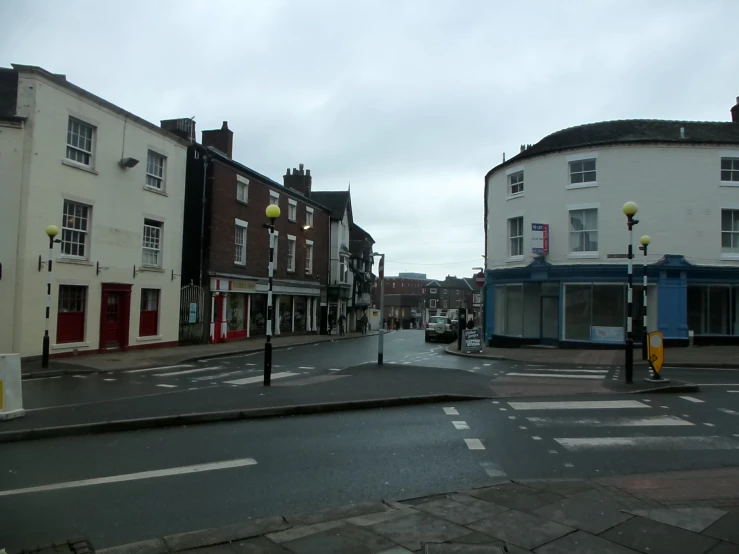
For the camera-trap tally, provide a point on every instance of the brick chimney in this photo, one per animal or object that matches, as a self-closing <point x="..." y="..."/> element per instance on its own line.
<point x="299" y="180"/>
<point x="735" y="111"/>
<point x="222" y="138"/>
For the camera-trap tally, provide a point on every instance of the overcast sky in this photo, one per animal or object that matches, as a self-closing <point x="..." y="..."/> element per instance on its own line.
<point x="411" y="101"/>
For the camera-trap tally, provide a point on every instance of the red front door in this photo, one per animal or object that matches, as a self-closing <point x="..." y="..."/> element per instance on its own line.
<point x="114" y="316"/>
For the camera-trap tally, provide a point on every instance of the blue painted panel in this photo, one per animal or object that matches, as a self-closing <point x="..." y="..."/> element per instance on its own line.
<point x="672" y="306"/>
<point x="489" y="308"/>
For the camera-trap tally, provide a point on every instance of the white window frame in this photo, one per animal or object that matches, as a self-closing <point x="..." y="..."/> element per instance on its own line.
<point x="577" y="208"/>
<point x="277" y="244"/>
<point x="577" y="158"/>
<point x="728" y="254"/>
<point x="509" y="175"/>
<point x="243" y="226"/>
<point x="292" y="210"/>
<point x="242" y="189"/>
<point x="152" y="224"/>
<point x="291" y="253"/>
<point x="309" y="217"/>
<point x="153" y="176"/>
<point x="308" y="257"/>
<point x="432" y="303"/>
<point x="76" y="147"/>
<point x="432" y="291"/>
<point x="67" y="230"/>
<point x="509" y="243"/>
<point x="344" y="269"/>
<point x="274" y="198"/>
<point x="734" y="157"/>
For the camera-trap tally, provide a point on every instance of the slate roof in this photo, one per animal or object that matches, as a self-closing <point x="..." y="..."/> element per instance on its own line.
<point x="335" y="200"/>
<point x="357" y="233"/>
<point x="631" y="131"/>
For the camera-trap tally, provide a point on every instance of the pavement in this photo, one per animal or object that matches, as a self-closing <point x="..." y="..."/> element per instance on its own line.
<point x="122" y="487"/>
<point x="690" y="512"/>
<point x="689" y="357"/>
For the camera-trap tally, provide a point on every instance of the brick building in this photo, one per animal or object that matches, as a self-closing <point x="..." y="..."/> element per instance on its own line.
<point x="226" y="246"/>
<point x="447" y="296"/>
<point x="403" y="298"/>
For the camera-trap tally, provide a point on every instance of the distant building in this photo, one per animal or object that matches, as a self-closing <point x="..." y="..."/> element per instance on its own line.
<point x="419" y="276"/>
<point x="447" y="296"/>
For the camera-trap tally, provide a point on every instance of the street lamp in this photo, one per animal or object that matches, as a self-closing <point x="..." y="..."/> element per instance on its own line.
<point x="272" y="212"/>
<point x="381" y="334"/>
<point x="51" y="231"/>
<point x="630" y="209"/>
<point x="644" y="241"/>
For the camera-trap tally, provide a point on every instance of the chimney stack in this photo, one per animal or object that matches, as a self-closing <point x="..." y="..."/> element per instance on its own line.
<point x="222" y="139"/>
<point x="298" y="180"/>
<point x="735" y="111"/>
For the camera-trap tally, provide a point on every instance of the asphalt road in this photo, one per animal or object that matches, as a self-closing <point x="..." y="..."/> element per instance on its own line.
<point x="292" y="465"/>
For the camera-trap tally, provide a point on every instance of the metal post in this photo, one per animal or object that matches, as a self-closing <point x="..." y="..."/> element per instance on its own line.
<point x="644" y="310"/>
<point x="629" y="362"/>
<point x="381" y="334"/>
<point x="268" y="343"/>
<point x="45" y="349"/>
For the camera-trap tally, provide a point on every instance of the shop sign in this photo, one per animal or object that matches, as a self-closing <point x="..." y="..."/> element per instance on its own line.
<point x="540" y="238"/>
<point x="606" y="334"/>
<point x="243" y="285"/>
<point x="471" y="340"/>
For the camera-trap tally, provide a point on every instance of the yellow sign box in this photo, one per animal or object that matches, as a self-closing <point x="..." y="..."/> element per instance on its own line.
<point x="656" y="350"/>
<point x="243" y="285"/>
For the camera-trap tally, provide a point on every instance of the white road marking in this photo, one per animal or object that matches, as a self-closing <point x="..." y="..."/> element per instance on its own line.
<point x="337" y="369"/>
<point x="33" y="379"/>
<point x="461" y="425"/>
<point x="451" y="411"/>
<point x="645" y="400"/>
<point x="503" y="410"/>
<point x="536" y="438"/>
<point x="717" y="384"/>
<point x="164" y="385"/>
<point x="553" y="452"/>
<point x="158" y="368"/>
<point x="709" y="425"/>
<point x="492" y="469"/>
<point x="258" y="378"/>
<point x="691" y="399"/>
<point x="599" y="371"/>
<point x="108" y="380"/>
<point x="474" y="444"/>
<point x="522" y="427"/>
<point x="477" y="367"/>
<point x="182" y="470"/>
<point x="649" y="421"/>
<point x="79" y="376"/>
<point x="217" y="375"/>
<point x="556" y="376"/>
<point x="486" y="365"/>
<point x="511" y="417"/>
<point x="578" y="405"/>
<point x="728" y="411"/>
<point x="568" y="464"/>
<point x="188" y="371"/>
<point x="305" y="367"/>
<point x="496" y="402"/>
<point x="726" y="391"/>
<point x="649" y="443"/>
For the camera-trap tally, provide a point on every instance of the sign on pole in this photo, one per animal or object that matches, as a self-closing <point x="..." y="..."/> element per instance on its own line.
<point x="471" y="340"/>
<point x="540" y="238"/>
<point x="480" y="279"/>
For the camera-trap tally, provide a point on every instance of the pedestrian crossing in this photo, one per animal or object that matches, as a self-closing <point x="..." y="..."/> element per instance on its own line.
<point x="598" y="374"/>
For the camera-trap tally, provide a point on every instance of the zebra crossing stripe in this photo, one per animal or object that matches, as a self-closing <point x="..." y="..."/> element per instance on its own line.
<point x="555" y="375"/>
<point x="650" y="421"/>
<point x="648" y="443"/>
<point x="579" y="405"/>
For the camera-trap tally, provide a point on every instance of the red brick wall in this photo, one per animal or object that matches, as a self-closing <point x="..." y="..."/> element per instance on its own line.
<point x="225" y="209"/>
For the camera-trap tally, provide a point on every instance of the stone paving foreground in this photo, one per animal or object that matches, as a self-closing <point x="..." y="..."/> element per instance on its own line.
<point x="692" y="512"/>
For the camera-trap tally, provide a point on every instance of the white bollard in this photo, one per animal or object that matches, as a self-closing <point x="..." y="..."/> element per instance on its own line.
<point x="11" y="392"/>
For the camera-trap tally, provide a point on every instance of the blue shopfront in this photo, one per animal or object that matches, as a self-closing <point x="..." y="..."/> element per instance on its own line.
<point x="585" y="305"/>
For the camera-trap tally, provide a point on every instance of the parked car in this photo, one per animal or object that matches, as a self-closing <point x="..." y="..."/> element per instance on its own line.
<point x="440" y="328"/>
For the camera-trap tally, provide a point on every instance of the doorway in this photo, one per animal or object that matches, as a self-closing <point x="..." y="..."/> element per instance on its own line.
<point x="114" y="316"/>
<point x="549" y="313"/>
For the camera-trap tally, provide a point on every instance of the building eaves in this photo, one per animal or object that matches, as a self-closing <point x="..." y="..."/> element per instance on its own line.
<point x="61" y="81"/>
<point x="335" y="200"/>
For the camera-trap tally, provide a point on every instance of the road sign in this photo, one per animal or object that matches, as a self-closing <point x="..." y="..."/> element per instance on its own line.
<point x="480" y="279"/>
<point x="656" y="352"/>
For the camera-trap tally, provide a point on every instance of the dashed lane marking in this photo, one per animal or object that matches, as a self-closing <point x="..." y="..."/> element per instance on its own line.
<point x="451" y="411"/>
<point x="691" y="399"/>
<point x="709" y="425"/>
<point x="460" y="425"/>
<point x="728" y="411"/>
<point x="474" y="444"/>
<point x="108" y="380"/>
<point x="189" y="371"/>
<point x="166" y="386"/>
<point x="159" y="368"/>
<point x="536" y="438"/>
<point x="556" y="375"/>
<point x="256" y="379"/>
<point x="578" y="405"/>
<point x="492" y="469"/>
<point x="306" y="367"/>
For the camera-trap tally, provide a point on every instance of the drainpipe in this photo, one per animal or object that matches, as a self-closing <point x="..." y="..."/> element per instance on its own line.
<point x="202" y="217"/>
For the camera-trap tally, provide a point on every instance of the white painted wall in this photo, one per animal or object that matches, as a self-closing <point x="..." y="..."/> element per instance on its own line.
<point x="119" y="205"/>
<point x="11" y="173"/>
<point x="677" y="189"/>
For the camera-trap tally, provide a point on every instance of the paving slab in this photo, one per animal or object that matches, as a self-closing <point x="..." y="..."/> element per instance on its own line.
<point x="692" y="519"/>
<point x="726" y="528"/>
<point x="463" y="549"/>
<point x="396" y="550"/>
<point x="724" y="548"/>
<point x="516" y="496"/>
<point x="206" y="537"/>
<point x="564" y="487"/>
<point x="590" y="511"/>
<point x="257" y="545"/>
<point x="581" y="542"/>
<point x="462" y="513"/>
<point x="521" y="529"/>
<point x="413" y="530"/>
<point x="513" y="549"/>
<point x="478" y="538"/>
<point x="352" y="510"/>
<point x="654" y="537"/>
<point x="343" y="538"/>
<point x="371" y="519"/>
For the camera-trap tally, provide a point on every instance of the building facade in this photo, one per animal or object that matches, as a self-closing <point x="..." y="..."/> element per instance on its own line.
<point x="403" y="298"/>
<point x="446" y="297"/>
<point x="556" y="235"/>
<point x="361" y="246"/>
<point x="114" y="185"/>
<point x="228" y="253"/>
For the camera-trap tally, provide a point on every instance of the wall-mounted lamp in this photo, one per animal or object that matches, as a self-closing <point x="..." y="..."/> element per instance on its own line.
<point x="128" y="163"/>
<point x="135" y="271"/>
<point x="99" y="269"/>
<point x="175" y="274"/>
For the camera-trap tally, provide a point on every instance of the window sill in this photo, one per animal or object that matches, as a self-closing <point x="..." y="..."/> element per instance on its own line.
<point x="291" y="271"/>
<point x="243" y="202"/>
<point x="63" y="345"/>
<point x="292" y="220"/>
<point x="309" y="273"/>
<point x="73" y="261"/>
<point x="729" y="184"/>
<point x="513" y="259"/>
<point x="160" y="192"/>
<point x="237" y="264"/>
<point x="729" y="256"/>
<point x="583" y="255"/>
<point x="512" y="196"/>
<point x="582" y="185"/>
<point x="81" y="167"/>
<point x="150" y="269"/>
<point x="149" y="338"/>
